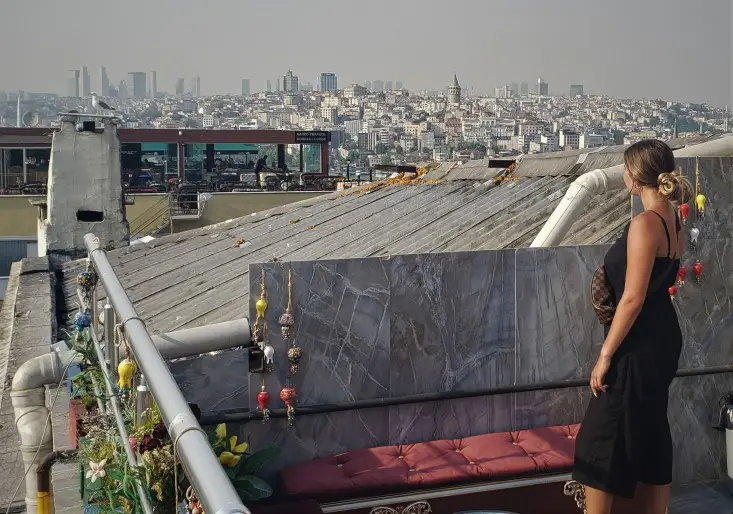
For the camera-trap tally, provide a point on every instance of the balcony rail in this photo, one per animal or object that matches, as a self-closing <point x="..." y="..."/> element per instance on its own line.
<point x="200" y="464"/>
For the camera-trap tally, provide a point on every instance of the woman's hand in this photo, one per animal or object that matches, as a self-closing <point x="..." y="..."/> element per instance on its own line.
<point x="599" y="375"/>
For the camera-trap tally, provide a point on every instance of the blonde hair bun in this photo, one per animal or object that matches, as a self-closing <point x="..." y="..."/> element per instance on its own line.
<point x="674" y="187"/>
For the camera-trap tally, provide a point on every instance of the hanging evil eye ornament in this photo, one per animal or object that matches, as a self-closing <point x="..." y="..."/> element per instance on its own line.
<point x="673" y="292"/>
<point x="126" y="372"/>
<point x="294" y="356"/>
<point x="700" y="201"/>
<point x="287" y="320"/>
<point x="694" y="237"/>
<point x="697" y="270"/>
<point x="87" y="279"/>
<point x="82" y="320"/>
<point x="684" y="212"/>
<point x="269" y="353"/>
<point x="263" y="400"/>
<point x="681" y="274"/>
<point x="287" y="395"/>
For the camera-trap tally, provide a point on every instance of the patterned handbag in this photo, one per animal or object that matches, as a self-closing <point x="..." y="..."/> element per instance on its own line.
<point x="602" y="297"/>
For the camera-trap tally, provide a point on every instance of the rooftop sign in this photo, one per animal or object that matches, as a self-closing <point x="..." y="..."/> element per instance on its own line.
<point x="312" y="136"/>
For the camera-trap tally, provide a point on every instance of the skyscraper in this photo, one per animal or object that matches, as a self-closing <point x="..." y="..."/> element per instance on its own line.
<point x="576" y="90"/>
<point x="290" y="82"/>
<point x="245" y="87"/>
<point x="72" y="83"/>
<point x="152" y="84"/>
<point x="86" y="82"/>
<point x="277" y="84"/>
<point x="377" y="86"/>
<point x="136" y="84"/>
<point x="180" y="87"/>
<point x="398" y="85"/>
<point x="523" y="89"/>
<point x="328" y="82"/>
<point x="103" y="81"/>
<point x="196" y="87"/>
<point x="269" y="86"/>
<point x="388" y="85"/>
<point x="122" y="92"/>
<point x="542" y="87"/>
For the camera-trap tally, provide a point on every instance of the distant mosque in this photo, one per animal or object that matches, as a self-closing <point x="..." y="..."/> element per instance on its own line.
<point x="454" y="91"/>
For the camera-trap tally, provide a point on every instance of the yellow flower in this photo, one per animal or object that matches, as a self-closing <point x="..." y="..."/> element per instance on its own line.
<point x="221" y="431"/>
<point x="228" y="459"/>
<point x="237" y="449"/>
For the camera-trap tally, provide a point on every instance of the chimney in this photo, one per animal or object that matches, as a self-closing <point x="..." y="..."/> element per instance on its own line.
<point x="84" y="192"/>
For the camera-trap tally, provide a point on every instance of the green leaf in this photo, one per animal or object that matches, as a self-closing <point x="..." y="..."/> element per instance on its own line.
<point x="231" y="473"/>
<point x="252" y="488"/>
<point x="256" y="461"/>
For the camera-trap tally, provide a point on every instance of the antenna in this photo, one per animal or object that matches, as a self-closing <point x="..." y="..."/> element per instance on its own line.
<point x="17" y="114"/>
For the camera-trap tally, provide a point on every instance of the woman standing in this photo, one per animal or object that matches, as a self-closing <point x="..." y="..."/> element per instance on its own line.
<point x="625" y="439"/>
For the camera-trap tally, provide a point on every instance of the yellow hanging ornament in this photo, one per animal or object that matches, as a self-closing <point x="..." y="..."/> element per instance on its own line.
<point x="700" y="201"/>
<point x="261" y="307"/>
<point x="126" y="372"/>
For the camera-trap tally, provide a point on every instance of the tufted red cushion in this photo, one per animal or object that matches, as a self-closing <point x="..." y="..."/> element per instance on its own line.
<point x="435" y="463"/>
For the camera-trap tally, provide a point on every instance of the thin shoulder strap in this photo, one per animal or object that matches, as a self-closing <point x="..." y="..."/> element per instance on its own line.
<point x="666" y="232"/>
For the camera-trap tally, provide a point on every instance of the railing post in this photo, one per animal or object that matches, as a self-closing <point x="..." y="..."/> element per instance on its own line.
<point x="112" y="350"/>
<point x="144" y="402"/>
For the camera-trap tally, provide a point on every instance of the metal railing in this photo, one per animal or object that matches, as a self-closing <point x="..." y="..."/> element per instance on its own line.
<point x="207" y="476"/>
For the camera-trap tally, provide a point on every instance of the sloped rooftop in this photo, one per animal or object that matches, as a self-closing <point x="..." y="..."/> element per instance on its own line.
<point x="200" y="277"/>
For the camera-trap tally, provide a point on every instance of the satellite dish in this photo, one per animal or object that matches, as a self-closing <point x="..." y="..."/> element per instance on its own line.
<point x="31" y="119"/>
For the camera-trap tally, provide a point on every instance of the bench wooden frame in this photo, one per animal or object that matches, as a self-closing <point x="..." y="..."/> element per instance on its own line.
<point x="412" y="499"/>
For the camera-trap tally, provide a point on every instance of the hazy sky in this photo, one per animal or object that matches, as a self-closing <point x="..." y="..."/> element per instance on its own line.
<point x="674" y="49"/>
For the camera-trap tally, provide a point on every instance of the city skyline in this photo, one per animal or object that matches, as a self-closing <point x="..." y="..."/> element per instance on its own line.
<point x="627" y="50"/>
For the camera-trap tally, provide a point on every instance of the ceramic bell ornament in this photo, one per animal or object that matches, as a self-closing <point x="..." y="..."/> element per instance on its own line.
<point x="673" y="292"/>
<point x="701" y="200"/>
<point x="681" y="274"/>
<point x="263" y="400"/>
<point x="694" y="237"/>
<point x="269" y="353"/>
<point x="684" y="212"/>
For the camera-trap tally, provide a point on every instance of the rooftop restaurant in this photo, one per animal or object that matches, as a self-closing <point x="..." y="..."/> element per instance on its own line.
<point x="420" y="344"/>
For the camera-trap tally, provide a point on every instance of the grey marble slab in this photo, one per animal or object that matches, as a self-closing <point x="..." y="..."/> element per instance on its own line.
<point x="558" y="335"/>
<point x="537" y="409"/>
<point x="214" y="382"/>
<point x="713" y="177"/>
<point x="451" y="321"/>
<point x="702" y="498"/>
<point x="699" y="450"/>
<point x="341" y="311"/>
<point x="705" y="311"/>
<point x="318" y="436"/>
<point x="452" y="419"/>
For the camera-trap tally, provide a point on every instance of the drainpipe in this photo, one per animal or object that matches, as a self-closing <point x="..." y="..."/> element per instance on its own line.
<point x="199" y="340"/>
<point x="598" y="181"/>
<point x="28" y="396"/>
<point x="43" y="478"/>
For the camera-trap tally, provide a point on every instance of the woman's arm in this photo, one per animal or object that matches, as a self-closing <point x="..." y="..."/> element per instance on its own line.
<point x="641" y="252"/>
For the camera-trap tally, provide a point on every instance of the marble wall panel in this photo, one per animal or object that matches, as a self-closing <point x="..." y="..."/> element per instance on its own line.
<point x="451" y="321"/>
<point x="214" y="382"/>
<point x="535" y="409"/>
<point x="699" y="450"/>
<point x="712" y="176"/>
<point x="341" y="313"/>
<point x="705" y="312"/>
<point x="558" y="335"/>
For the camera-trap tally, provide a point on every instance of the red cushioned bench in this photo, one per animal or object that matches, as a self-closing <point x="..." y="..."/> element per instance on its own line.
<point x="411" y="473"/>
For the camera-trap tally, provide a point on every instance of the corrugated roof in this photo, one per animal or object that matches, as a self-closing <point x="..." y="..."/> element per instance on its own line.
<point x="199" y="277"/>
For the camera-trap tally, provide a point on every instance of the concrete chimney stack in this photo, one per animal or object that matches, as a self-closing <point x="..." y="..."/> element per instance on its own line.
<point x="84" y="193"/>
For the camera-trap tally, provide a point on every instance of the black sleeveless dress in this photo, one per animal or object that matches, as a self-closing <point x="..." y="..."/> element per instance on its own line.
<point x="625" y="437"/>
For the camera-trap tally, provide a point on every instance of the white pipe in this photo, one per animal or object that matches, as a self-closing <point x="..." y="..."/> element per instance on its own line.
<point x="28" y="397"/>
<point x="200" y="340"/>
<point x="598" y="181"/>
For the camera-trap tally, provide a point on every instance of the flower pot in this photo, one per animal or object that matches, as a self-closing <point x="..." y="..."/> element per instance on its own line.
<point x="77" y="411"/>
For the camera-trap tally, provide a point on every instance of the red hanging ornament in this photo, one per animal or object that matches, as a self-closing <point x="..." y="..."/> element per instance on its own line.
<point x="287" y="395"/>
<point x="684" y="212"/>
<point x="681" y="274"/>
<point x="263" y="400"/>
<point x="697" y="270"/>
<point x="672" y="292"/>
